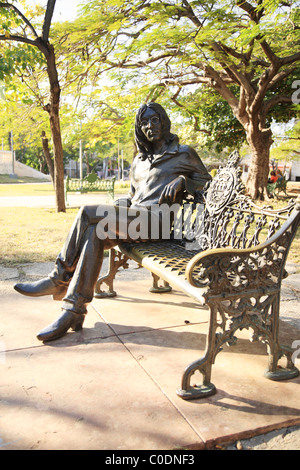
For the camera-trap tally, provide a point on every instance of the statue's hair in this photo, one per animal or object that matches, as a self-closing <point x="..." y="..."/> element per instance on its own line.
<point x="144" y="147"/>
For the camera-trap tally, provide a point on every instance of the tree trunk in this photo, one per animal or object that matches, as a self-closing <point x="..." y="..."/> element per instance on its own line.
<point x="260" y="143"/>
<point x="53" y="110"/>
<point x="49" y="161"/>
<point x="58" y="161"/>
<point x="42" y="163"/>
<point x="88" y="166"/>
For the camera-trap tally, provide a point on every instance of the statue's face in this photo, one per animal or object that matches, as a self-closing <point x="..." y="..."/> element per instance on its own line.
<point x="151" y="126"/>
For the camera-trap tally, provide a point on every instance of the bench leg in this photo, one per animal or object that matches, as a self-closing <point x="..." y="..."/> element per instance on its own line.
<point x="203" y="365"/>
<point x="263" y="319"/>
<point x="116" y="260"/>
<point x="156" y="289"/>
<point x="283" y="373"/>
<point x="276" y="351"/>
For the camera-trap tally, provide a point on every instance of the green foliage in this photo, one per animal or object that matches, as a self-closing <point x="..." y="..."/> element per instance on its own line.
<point x="288" y="146"/>
<point x="196" y="58"/>
<point x="211" y="116"/>
<point x="168" y="50"/>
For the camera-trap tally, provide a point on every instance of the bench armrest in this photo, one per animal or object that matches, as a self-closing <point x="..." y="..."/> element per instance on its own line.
<point x="229" y="270"/>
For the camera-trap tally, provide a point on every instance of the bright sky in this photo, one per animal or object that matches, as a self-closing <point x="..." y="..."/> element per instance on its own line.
<point x="65" y="10"/>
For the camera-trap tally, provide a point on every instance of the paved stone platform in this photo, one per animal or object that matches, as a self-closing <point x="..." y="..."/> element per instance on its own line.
<point x="112" y="386"/>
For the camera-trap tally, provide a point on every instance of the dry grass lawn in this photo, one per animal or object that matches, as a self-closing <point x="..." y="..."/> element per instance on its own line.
<point x="30" y="235"/>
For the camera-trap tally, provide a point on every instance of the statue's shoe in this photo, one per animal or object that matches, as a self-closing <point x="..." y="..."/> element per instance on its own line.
<point x="45" y="286"/>
<point x="60" y="327"/>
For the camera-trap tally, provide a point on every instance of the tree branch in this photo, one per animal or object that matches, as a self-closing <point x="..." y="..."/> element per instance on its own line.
<point x="232" y="69"/>
<point x="279" y="99"/>
<point x="18" y="38"/>
<point x="234" y="53"/>
<point x="265" y="79"/>
<point x="142" y="63"/>
<point x="249" y="9"/>
<point x="271" y="77"/>
<point x="279" y="77"/>
<point x="18" y="12"/>
<point x="223" y="89"/>
<point x="269" y="53"/>
<point x="242" y="102"/>
<point x="37" y="96"/>
<point x="184" y="82"/>
<point x="191" y="15"/>
<point x="48" y="19"/>
<point x="290" y="59"/>
<point x="38" y="42"/>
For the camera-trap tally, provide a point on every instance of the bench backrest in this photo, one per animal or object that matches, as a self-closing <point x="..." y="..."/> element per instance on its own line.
<point x="229" y="218"/>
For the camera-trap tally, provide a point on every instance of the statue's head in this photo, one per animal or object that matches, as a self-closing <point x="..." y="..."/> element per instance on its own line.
<point x="151" y="124"/>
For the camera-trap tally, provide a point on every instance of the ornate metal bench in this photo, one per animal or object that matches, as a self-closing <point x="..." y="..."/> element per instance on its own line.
<point x="234" y="264"/>
<point x="88" y="184"/>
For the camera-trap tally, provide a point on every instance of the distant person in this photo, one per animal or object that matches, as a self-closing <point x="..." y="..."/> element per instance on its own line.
<point x="279" y="175"/>
<point x="273" y="177"/>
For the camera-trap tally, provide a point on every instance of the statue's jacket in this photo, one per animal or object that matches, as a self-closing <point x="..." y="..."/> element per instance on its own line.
<point x="149" y="176"/>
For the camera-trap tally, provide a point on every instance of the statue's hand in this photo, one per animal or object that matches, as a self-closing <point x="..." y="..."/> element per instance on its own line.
<point x="123" y="202"/>
<point x="171" y="190"/>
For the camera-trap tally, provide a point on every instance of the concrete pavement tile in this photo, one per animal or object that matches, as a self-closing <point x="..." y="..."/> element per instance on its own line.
<point x="94" y="390"/>
<point x="85" y="397"/>
<point x="23" y="317"/>
<point x="246" y="403"/>
<point x="293" y="282"/>
<point x="8" y="273"/>
<point x="135" y="308"/>
<point x="164" y="345"/>
<point x="37" y="270"/>
<point x="291" y="268"/>
<point x="288" y="294"/>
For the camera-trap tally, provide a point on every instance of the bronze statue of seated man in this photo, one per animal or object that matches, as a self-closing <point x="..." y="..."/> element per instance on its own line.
<point x="162" y="170"/>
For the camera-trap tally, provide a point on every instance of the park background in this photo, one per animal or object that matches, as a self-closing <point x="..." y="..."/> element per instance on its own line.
<point x="74" y="73"/>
